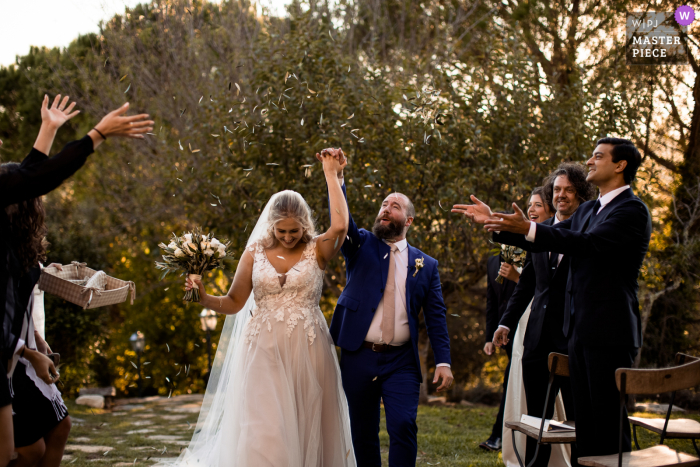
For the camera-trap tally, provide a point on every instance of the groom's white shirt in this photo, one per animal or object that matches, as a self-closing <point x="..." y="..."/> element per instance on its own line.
<point x="402" y="333"/>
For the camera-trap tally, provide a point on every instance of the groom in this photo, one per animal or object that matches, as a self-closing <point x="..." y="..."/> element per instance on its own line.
<point x="376" y="325"/>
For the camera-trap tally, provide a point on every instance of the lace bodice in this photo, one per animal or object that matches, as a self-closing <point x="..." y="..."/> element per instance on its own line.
<point x="294" y="303"/>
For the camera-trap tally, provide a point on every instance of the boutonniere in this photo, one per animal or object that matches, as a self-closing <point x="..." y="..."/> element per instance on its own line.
<point x="419" y="265"/>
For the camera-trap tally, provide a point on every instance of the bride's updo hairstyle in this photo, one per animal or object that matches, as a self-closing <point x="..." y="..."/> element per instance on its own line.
<point x="289" y="204"/>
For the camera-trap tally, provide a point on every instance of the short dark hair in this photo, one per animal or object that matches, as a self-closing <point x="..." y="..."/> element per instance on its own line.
<point x="547" y="200"/>
<point x="576" y="173"/>
<point x="624" y="150"/>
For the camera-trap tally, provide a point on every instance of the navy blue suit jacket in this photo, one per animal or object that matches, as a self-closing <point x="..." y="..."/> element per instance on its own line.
<point x="367" y="267"/>
<point x="605" y="254"/>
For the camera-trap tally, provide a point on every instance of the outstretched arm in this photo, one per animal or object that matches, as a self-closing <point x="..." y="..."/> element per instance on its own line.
<point x="38" y="174"/>
<point x="329" y="243"/>
<point x="237" y="295"/>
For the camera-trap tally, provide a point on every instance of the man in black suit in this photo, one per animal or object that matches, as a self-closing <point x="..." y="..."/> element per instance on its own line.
<point x="606" y="241"/>
<point x="543" y="282"/>
<point x="497" y="296"/>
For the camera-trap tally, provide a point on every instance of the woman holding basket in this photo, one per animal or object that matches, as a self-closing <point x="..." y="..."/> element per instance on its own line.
<point x="42" y="437"/>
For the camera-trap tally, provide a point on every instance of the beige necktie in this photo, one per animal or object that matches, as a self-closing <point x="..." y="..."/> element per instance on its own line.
<point x="389" y="300"/>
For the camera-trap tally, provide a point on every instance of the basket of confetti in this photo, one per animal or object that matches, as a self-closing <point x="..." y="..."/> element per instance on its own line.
<point x="85" y="287"/>
<point x="193" y="253"/>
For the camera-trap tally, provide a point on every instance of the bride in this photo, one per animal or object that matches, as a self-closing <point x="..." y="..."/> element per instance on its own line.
<point x="275" y="397"/>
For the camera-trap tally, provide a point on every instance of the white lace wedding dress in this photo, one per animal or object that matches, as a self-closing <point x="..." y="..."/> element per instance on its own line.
<point x="283" y="403"/>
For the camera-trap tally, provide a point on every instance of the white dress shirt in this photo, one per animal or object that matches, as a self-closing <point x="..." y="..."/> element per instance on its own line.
<point x="402" y="332"/>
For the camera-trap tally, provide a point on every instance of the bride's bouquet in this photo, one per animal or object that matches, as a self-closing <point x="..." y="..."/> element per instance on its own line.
<point x="193" y="253"/>
<point x="511" y="255"/>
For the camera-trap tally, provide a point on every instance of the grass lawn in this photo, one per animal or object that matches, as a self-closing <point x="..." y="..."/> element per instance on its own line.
<point x="140" y="433"/>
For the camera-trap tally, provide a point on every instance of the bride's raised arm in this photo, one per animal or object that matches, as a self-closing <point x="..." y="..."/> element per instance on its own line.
<point x="237" y="295"/>
<point x="329" y="243"/>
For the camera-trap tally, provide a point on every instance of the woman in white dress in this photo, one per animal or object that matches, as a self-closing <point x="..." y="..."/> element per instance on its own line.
<point x="275" y="396"/>
<point x="538" y="210"/>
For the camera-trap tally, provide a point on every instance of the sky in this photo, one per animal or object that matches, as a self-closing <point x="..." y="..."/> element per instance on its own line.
<point x="55" y="23"/>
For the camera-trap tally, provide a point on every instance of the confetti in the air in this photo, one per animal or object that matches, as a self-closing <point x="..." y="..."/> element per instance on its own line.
<point x="127" y="89"/>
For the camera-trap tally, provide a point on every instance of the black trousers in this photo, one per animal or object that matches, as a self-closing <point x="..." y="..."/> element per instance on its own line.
<point x="497" y="430"/>
<point x="535" y="380"/>
<point x="596" y="398"/>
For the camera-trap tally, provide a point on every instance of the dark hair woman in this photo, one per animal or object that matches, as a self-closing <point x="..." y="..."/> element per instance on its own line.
<point x="41" y="424"/>
<point x="21" y="232"/>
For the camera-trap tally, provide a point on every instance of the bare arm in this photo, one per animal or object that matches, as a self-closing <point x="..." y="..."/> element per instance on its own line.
<point x="238" y="294"/>
<point x="329" y="243"/>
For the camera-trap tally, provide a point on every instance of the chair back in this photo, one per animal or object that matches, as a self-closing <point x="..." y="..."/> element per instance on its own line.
<point x="560" y="363"/>
<point x="655" y="381"/>
<point x="682" y="358"/>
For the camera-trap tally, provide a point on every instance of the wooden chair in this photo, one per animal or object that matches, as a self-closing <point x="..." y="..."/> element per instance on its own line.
<point x="635" y="381"/>
<point x="670" y="429"/>
<point x="558" y="366"/>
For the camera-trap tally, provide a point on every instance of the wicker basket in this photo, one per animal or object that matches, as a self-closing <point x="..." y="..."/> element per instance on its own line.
<point x="59" y="283"/>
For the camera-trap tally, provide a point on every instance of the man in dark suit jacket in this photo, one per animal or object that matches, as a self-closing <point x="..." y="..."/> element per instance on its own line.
<point x="377" y="364"/>
<point x="497" y="296"/>
<point x="606" y="241"/>
<point x="543" y="282"/>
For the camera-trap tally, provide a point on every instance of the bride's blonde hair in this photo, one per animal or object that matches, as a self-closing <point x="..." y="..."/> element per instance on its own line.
<point x="289" y="204"/>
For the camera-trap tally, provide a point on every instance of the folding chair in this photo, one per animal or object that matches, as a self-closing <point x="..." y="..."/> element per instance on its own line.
<point x="558" y="366"/>
<point x="635" y="381"/>
<point x="670" y="429"/>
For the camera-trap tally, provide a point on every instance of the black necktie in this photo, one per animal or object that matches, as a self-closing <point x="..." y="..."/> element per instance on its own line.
<point x="596" y="207"/>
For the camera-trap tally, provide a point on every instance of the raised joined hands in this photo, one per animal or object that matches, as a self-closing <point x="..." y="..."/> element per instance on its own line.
<point x="336" y="154"/>
<point x="332" y="165"/>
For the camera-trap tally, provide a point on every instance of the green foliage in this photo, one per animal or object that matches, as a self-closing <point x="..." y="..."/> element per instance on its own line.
<point x="242" y="103"/>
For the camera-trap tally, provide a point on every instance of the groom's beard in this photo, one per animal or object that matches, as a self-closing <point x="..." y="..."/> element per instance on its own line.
<point x="387" y="232"/>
